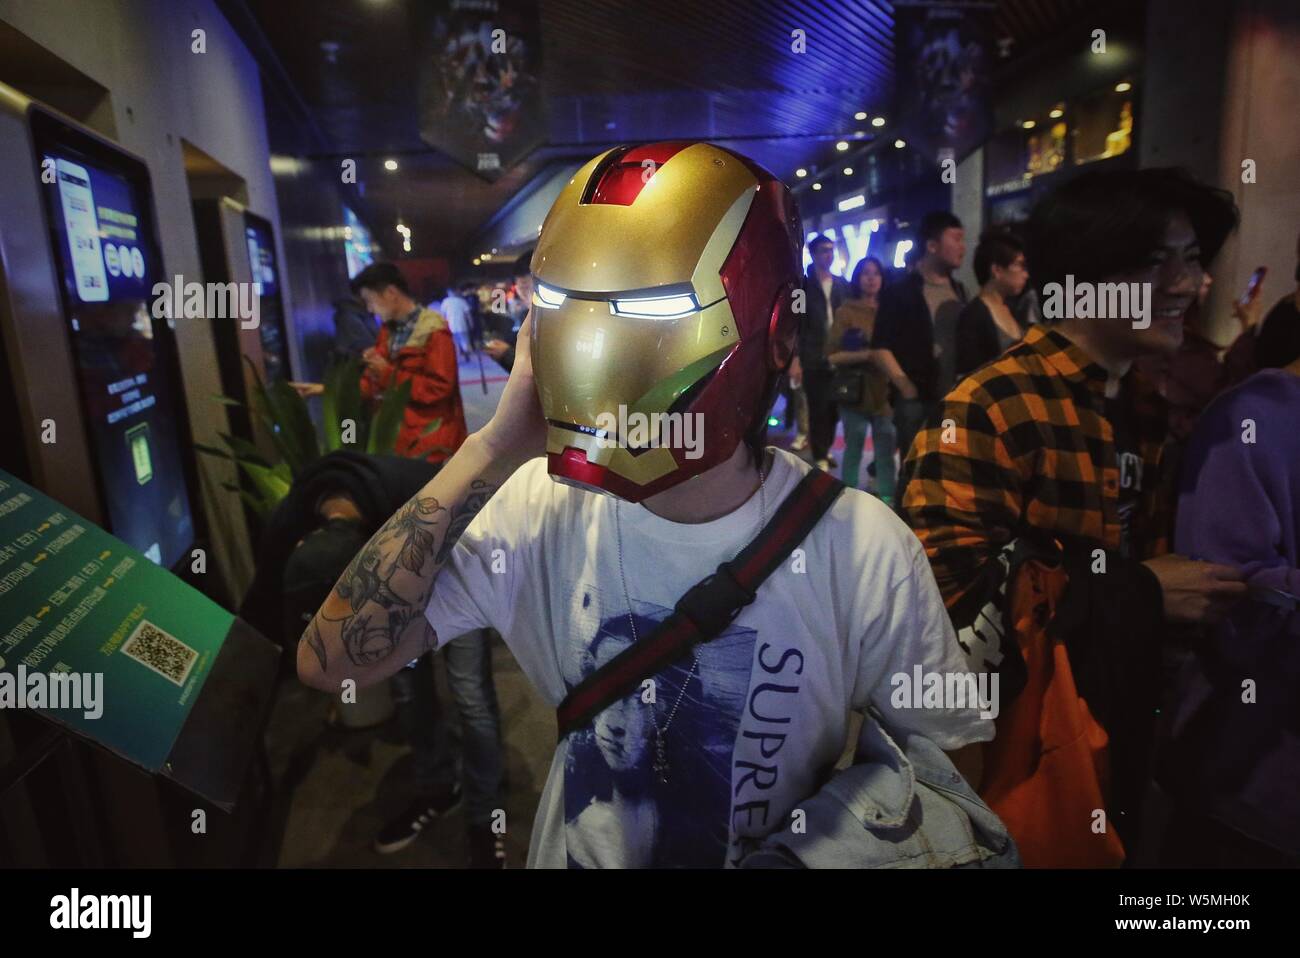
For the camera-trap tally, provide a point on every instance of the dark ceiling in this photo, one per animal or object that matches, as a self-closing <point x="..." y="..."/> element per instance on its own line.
<point x="340" y="78"/>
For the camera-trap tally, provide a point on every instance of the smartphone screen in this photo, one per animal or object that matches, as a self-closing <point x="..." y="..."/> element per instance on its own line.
<point x="1252" y="285"/>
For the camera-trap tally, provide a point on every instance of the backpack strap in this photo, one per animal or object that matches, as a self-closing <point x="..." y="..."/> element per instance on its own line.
<point x="707" y="608"/>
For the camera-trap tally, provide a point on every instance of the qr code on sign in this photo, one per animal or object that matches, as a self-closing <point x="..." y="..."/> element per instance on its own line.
<point x="164" y="653"/>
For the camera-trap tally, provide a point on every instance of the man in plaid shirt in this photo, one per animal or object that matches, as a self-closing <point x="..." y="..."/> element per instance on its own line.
<point x="1055" y="445"/>
<point x="1058" y="438"/>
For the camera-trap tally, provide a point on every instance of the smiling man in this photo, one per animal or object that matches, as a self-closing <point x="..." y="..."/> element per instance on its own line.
<point x="1054" y="447"/>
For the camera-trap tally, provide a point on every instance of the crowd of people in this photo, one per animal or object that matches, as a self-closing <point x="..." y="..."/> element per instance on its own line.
<point x="1101" y="508"/>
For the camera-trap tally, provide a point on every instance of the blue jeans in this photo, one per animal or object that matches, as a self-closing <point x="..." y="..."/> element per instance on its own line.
<point x="883" y="437"/>
<point x="433" y="736"/>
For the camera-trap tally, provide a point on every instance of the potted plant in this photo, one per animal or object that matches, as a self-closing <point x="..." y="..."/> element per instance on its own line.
<point x="284" y="416"/>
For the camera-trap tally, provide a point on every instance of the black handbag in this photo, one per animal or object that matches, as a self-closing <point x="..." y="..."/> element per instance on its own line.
<point x="848" y="386"/>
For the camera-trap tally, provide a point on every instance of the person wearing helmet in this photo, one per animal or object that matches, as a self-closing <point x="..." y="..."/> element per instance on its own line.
<point x="626" y="461"/>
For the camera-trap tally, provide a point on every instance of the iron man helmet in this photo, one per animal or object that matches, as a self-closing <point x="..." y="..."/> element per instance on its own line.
<point x="662" y="314"/>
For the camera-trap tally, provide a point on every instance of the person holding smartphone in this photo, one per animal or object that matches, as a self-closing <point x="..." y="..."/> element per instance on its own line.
<point x="1240" y="360"/>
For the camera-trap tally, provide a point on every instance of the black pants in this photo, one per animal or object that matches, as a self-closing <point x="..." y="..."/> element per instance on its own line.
<point x="823" y="413"/>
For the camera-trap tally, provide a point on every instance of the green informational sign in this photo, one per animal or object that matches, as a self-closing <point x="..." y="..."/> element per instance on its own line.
<point x="93" y="634"/>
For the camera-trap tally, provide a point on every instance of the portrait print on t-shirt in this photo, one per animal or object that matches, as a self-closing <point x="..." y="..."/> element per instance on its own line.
<point x="618" y="812"/>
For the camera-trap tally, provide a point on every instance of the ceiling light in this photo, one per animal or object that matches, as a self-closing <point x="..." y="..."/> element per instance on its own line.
<point x="817" y="186"/>
<point x="878" y="121"/>
<point x="899" y="144"/>
<point x="1028" y="124"/>
<point x="476" y="262"/>
<point x="848" y="171"/>
<point x="1057" y="113"/>
<point x="860" y="115"/>
<point x="801" y="172"/>
<point x="286" y="165"/>
<point x="842" y="145"/>
<point x="1123" y="87"/>
<point x="390" y="165"/>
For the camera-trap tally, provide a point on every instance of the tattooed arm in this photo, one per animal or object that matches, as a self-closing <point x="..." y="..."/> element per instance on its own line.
<point x="373" y="621"/>
<point x="372" y="624"/>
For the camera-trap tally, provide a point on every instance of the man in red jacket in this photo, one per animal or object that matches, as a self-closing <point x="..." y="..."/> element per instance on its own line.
<point x="414" y="344"/>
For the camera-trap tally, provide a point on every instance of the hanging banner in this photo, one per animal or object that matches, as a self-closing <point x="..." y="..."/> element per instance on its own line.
<point x="944" y="61"/>
<point x="480" y="91"/>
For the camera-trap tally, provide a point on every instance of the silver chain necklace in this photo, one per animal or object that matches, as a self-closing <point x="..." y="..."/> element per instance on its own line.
<point x="661" y="753"/>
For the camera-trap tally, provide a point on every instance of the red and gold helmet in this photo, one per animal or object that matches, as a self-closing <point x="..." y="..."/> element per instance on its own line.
<point x="662" y="314"/>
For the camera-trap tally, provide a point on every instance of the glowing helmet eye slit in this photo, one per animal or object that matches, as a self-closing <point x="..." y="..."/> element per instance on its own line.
<point x="546" y="297"/>
<point x="655" y="307"/>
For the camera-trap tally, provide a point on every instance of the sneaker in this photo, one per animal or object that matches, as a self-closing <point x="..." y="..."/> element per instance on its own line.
<point x="486" y="848"/>
<point x="823" y="464"/>
<point x="406" y="828"/>
<point x="800" y="443"/>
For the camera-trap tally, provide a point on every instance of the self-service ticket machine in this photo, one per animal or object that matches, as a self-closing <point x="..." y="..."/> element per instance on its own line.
<point x="94" y="375"/>
<point x="96" y="506"/>
<point x="238" y="246"/>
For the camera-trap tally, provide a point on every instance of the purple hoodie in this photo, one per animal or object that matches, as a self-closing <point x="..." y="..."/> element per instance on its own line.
<point x="1233" y="759"/>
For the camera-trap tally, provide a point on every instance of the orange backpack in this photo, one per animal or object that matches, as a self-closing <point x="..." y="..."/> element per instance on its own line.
<point x="1046" y="772"/>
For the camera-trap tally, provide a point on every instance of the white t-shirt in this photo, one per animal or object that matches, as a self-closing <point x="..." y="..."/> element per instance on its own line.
<point x="764" y="714"/>
<point x="456" y="312"/>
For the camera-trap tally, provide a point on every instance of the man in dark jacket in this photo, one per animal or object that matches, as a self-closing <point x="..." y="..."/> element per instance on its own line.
<point x="823" y="293"/>
<point x="916" y="328"/>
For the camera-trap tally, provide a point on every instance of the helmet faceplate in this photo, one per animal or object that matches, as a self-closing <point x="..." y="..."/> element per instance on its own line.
<point x="663" y="275"/>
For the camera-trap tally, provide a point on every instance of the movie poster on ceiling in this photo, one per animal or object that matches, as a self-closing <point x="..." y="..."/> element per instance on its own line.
<point x="944" y="61"/>
<point x="480" y="69"/>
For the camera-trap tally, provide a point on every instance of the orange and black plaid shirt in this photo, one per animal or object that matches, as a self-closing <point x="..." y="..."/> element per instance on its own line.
<point x="1023" y="446"/>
